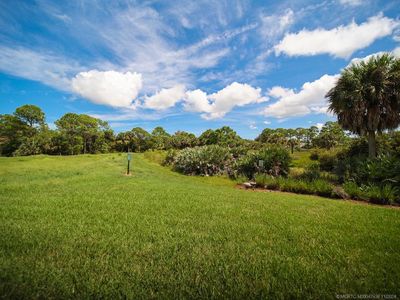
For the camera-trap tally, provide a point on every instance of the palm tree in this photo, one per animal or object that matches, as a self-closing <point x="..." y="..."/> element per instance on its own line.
<point x="366" y="98"/>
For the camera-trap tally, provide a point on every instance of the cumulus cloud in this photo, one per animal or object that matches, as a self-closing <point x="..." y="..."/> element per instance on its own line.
<point x="310" y="99"/>
<point x="165" y="98"/>
<point x="108" y="88"/>
<point x="218" y="104"/>
<point x="341" y="41"/>
<point x="197" y="101"/>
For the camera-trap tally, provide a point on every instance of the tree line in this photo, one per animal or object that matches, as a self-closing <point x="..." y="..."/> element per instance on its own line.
<point x="25" y="132"/>
<point x="366" y="100"/>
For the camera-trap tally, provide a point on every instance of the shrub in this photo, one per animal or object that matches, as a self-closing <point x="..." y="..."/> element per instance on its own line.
<point x="260" y="179"/>
<point x="314" y="155"/>
<point x="204" y="160"/>
<point x="276" y="162"/>
<point x="352" y="189"/>
<point x="272" y="183"/>
<point x="170" y="157"/>
<point x="296" y="172"/>
<point x="328" y="159"/>
<point x="311" y="172"/>
<point x="323" y="188"/>
<point x="385" y="194"/>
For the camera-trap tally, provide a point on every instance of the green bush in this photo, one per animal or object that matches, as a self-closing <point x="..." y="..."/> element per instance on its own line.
<point x="170" y="157"/>
<point x="314" y="155"/>
<point x="261" y="179"/>
<point x="295" y="186"/>
<point x="328" y="159"/>
<point x="204" y="160"/>
<point x="379" y="194"/>
<point x="312" y="172"/>
<point x="352" y="189"/>
<point x="322" y="188"/>
<point x="385" y="194"/>
<point x="276" y="161"/>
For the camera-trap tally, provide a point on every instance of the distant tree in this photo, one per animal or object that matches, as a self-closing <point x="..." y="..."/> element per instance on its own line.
<point x="366" y="98"/>
<point x="182" y="139"/>
<point x="208" y="137"/>
<point x="227" y="137"/>
<point x="82" y="133"/>
<point x="12" y="133"/>
<point x="21" y="130"/>
<point x="161" y="139"/>
<point x="330" y="135"/>
<point x="310" y="135"/>
<point x="140" y="139"/>
<point x="31" y="115"/>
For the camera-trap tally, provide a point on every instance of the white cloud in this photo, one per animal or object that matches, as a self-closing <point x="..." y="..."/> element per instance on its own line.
<point x="197" y="101"/>
<point x="341" y="41"/>
<point x="108" y="88"/>
<point x="280" y="92"/>
<point x="267" y="122"/>
<point x="351" y="2"/>
<point x="310" y="99"/>
<point x="218" y="104"/>
<point x="165" y="98"/>
<point x="273" y="26"/>
<point x="253" y="126"/>
<point x="396" y="52"/>
<point x="40" y="66"/>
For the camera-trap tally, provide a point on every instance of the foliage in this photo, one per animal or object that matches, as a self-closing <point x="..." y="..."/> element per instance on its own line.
<point x="275" y="162"/>
<point x="312" y="172"/>
<point x="366" y="97"/>
<point x="331" y="135"/>
<point x="224" y="136"/>
<point x="202" y="160"/>
<point x="170" y="157"/>
<point x="319" y="187"/>
<point x="380" y="194"/>
<point x="83" y="134"/>
<point x="328" y="159"/>
<point x="182" y="139"/>
<point x="160" y="139"/>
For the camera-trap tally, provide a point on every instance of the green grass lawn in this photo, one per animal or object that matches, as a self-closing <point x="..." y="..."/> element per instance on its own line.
<point x="77" y="227"/>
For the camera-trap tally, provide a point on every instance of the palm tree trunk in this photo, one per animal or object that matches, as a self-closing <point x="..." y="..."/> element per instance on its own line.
<point x="371" y="144"/>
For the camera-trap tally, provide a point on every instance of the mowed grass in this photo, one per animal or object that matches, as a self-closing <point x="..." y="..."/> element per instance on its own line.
<point x="77" y="227"/>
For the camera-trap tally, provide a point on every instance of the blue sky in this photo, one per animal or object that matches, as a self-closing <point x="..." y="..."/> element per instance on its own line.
<point x="187" y="65"/>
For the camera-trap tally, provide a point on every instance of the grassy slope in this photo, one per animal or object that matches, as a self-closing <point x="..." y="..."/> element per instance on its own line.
<point x="77" y="227"/>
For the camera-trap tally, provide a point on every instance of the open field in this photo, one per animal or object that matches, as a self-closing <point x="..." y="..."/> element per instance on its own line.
<point x="78" y="227"/>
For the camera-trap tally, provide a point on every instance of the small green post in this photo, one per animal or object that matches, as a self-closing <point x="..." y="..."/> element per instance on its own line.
<point x="129" y="162"/>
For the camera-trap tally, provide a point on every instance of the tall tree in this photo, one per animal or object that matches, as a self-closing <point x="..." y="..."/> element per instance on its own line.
<point x="140" y="139"/>
<point x="160" y="138"/>
<point x="183" y="139"/>
<point x="30" y="114"/>
<point x="366" y="98"/>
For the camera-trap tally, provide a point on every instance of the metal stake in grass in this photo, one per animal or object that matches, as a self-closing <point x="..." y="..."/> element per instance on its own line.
<point x="129" y="162"/>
